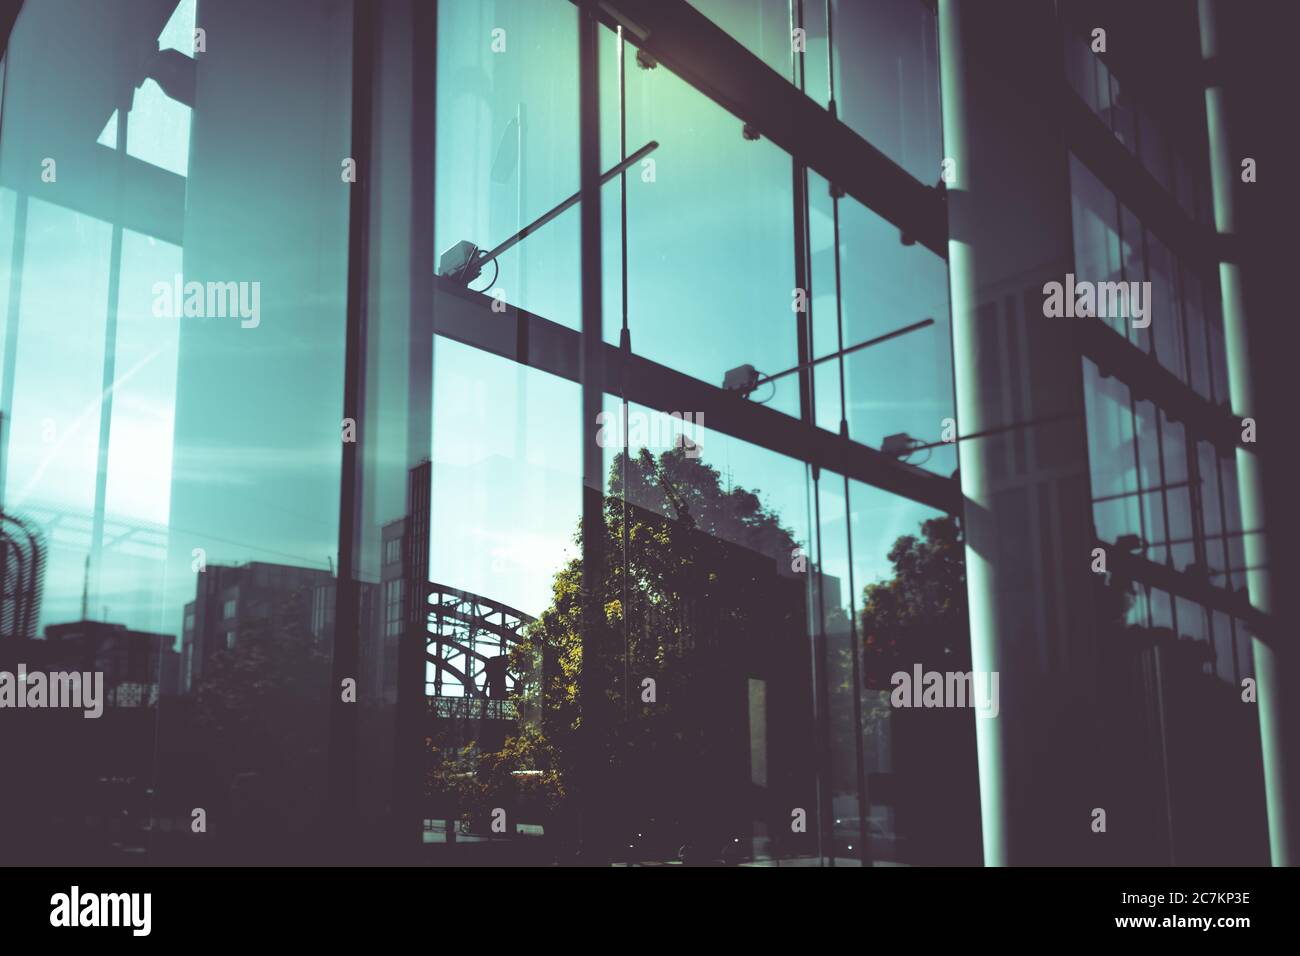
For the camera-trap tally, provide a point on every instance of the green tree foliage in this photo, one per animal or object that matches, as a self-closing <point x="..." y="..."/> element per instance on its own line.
<point x="919" y="615"/>
<point x="703" y="583"/>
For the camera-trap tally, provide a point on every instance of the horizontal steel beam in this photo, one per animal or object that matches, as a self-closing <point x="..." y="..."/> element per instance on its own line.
<point x="1131" y="567"/>
<point x="143" y="197"/>
<point x="719" y="66"/>
<point x="1088" y="138"/>
<point x="1115" y="356"/>
<point x="467" y="317"/>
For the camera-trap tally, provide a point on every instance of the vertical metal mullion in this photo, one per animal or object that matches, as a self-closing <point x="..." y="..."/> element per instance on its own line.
<point x="344" y="725"/>
<point x="625" y="347"/>
<point x="802" y="264"/>
<point x="807" y="414"/>
<point x="411" y="709"/>
<point x="860" y="772"/>
<point x="592" y="808"/>
<point x="803" y="283"/>
<point x="864" y="806"/>
<point x="821" y="696"/>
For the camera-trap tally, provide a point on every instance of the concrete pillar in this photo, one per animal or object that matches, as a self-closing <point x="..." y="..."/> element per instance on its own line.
<point x="1028" y="504"/>
<point x="1277" y="662"/>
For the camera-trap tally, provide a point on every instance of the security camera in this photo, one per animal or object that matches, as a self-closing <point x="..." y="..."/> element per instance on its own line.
<point x="743" y="379"/>
<point x="898" y="446"/>
<point x="461" y="261"/>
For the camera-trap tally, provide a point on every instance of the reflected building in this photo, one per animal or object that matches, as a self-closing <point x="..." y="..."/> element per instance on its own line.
<point x="138" y="667"/>
<point x="86" y="783"/>
<point x="230" y="599"/>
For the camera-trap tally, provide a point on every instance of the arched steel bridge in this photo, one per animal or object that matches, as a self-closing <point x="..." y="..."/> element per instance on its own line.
<point x="467" y="643"/>
<point x="22" y="566"/>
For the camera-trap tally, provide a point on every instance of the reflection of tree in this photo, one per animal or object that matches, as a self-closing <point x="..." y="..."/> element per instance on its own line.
<point x="918" y="616"/>
<point x="260" y="713"/>
<point x="919" y="764"/>
<point x="711" y="606"/>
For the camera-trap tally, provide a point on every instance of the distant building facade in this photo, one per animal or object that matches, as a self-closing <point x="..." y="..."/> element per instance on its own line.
<point x="228" y="600"/>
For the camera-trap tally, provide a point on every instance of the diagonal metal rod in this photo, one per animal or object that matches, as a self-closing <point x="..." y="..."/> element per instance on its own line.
<point x="536" y="224"/>
<point x="852" y="348"/>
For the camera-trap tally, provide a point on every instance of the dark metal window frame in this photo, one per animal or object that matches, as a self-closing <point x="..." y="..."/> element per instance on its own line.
<point x="718" y="66"/>
<point x="9" y="10"/>
<point x="467" y="317"/>
<point x="1193" y="245"/>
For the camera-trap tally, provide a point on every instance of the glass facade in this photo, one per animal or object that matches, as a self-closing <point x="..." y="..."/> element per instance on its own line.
<point x="300" y="345"/>
<point x="174" y="343"/>
<point x="1163" y="485"/>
